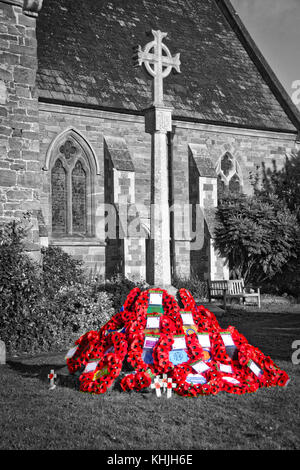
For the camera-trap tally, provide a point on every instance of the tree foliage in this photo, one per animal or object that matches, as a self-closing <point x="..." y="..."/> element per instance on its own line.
<point x="255" y="234"/>
<point x="284" y="183"/>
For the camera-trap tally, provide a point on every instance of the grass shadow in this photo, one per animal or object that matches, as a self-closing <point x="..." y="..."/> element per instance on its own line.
<point x="64" y="379"/>
<point x="272" y="333"/>
<point x="39" y="371"/>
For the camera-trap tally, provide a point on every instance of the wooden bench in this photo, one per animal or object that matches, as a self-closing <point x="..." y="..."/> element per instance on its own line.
<point x="232" y="289"/>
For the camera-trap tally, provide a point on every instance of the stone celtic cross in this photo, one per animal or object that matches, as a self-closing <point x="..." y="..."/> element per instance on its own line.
<point x="158" y="63"/>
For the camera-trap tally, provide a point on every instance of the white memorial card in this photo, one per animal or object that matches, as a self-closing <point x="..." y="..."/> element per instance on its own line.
<point x="187" y="318"/>
<point x="179" y="342"/>
<point x="152" y="321"/>
<point x="225" y="368"/>
<point x="254" y="368"/>
<point x="231" y="380"/>
<point x="204" y="340"/>
<point x="71" y="352"/>
<point x="91" y="366"/>
<point x="227" y="339"/>
<point x="155" y="299"/>
<point x="200" y="367"/>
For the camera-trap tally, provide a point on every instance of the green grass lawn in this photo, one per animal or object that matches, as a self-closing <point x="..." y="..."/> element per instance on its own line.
<point x="33" y="417"/>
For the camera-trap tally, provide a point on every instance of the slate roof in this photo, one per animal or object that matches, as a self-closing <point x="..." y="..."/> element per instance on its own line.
<point x="85" y="57"/>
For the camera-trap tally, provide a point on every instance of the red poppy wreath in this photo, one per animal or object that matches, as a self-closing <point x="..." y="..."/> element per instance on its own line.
<point x="153" y="336"/>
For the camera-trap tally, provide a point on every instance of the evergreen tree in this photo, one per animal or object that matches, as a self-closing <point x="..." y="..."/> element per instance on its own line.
<point x="256" y="234"/>
<point x="284" y="184"/>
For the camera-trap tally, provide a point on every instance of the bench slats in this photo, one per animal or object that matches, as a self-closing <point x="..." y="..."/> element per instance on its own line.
<point x="223" y="289"/>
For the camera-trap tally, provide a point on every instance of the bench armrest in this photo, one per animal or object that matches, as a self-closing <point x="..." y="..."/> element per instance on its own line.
<point x="246" y="290"/>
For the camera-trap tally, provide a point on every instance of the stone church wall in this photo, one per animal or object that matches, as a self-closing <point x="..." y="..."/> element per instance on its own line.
<point x="248" y="147"/>
<point x="19" y="119"/>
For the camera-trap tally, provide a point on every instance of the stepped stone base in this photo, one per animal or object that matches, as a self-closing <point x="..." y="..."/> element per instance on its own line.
<point x="171" y="290"/>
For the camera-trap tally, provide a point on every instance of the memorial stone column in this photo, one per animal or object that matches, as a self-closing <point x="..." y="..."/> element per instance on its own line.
<point x="158" y="63"/>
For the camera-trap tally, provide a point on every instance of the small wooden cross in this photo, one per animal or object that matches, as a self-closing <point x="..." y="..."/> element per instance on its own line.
<point x="52" y="376"/>
<point x="158" y="62"/>
<point x="164" y="382"/>
<point x="170" y="386"/>
<point x="157" y="385"/>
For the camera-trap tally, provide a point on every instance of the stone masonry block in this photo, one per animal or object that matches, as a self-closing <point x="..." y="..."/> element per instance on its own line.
<point x="8" y="178"/>
<point x="24" y="75"/>
<point x="29" y="179"/>
<point x="7" y="13"/>
<point x="18" y="195"/>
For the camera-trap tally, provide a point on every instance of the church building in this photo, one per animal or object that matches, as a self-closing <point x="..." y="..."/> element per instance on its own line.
<point x="74" y="147"/>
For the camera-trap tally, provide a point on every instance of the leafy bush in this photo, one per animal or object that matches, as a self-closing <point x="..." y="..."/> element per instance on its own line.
<point x="46" y="308"/>
<point x="119" y="287"/>
<point x="60" y="269"/>
<point x="20" y="285"/>
<point x="196" y="286"/>
<point x="257" y="235"/>
<point x="55" y="324"/>
<point x="73" y="311"/>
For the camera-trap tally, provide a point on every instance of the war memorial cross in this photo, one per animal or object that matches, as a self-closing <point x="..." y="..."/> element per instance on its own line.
<point x="158" y="63"/>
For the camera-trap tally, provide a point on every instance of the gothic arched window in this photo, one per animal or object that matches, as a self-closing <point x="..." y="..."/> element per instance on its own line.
<point x="229" y="175"/>
<point x="71" y="191"/>
<point x="59" y="201"/>
<point x="235" y="184"/>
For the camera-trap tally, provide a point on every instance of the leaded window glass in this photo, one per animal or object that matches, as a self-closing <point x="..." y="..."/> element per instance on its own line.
<point x="79" y="199"/>
<point x="59" y="199"/>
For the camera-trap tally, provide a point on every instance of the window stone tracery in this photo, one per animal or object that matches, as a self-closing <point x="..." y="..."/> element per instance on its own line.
<point x="229" y="174"/>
